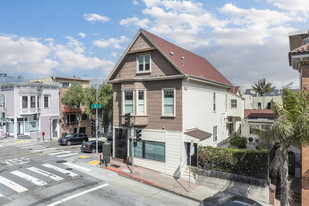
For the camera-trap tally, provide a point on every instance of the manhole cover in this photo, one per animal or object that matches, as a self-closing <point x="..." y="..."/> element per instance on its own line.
<point x="116" y="166"/>
<point x="61" y="161"/>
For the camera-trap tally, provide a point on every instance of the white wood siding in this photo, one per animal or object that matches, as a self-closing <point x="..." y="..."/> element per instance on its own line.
<point x="198" y="110"/>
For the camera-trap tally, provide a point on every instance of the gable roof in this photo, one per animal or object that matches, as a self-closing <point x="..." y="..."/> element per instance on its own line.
<point x="185" y="62"/>
<point x="192" y="64"/>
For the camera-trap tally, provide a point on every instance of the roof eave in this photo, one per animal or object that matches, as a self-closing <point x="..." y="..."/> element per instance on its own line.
<point x="210" y="82"/>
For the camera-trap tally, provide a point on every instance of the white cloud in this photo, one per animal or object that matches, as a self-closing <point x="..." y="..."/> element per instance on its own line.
<point x="114" y="54"/>
<point x="111" y="42"/>
<point x="135" y="2"/>
<point x="142" y="23"/>
<point x="21" y="54"/>
<point x="81" y="34"/>
<point x="293" y="5"/>
<point x="96" y="17"/>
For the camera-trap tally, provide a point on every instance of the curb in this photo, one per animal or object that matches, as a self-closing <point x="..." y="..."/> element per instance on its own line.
<point x="151" y="184"/>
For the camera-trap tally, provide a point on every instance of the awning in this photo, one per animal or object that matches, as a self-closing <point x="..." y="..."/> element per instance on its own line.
<point x="199" y="134"/>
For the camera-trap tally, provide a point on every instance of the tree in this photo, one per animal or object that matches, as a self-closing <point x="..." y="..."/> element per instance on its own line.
<point x="238" y="142"/>
<point x="262" y="87"/>
<point x="74" y="98"/>
<point x="290" y="128"/>
<point x="105" y="98"/>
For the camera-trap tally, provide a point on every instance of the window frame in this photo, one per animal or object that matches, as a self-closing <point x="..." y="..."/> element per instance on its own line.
<point x="259" y="105"/>
<point x="32" y="102"/>
<point x="144" y="65"/>
<point x="233" y="106"/>
<point x="123" y="101"/>
<point x="69" y="122"/>
<point x="22" y="102"/>
<point x="143" y="150"/>
<point x="214" y="102"/>
<point x="48" y="101"/>
<point x="137" y="102"/>
<point x="174" y="103"/>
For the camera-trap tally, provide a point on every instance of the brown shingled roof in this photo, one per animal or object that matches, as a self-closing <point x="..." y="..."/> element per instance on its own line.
<point x="259" y="113"/>
<point x="301" y="49"/>
<point x="200" y="134"/>
<point x="188" y="62"/>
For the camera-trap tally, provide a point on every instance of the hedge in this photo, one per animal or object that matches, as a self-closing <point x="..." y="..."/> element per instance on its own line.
<point x="236" y="161"/>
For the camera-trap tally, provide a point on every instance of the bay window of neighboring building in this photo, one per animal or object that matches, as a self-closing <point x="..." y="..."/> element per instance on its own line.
<point x="233" y="103"/>
<point x="150" y="150"/>
<point x="141" y="102"/>
<point x="128" y="101"/>
<point x="168" y="101"/>
<point x="143" y="63"/>
<point x="32" y="102"/>
<point x="24" y="102"/>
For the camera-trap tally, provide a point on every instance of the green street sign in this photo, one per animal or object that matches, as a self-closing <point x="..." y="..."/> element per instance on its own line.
<point x="96" y="106"/>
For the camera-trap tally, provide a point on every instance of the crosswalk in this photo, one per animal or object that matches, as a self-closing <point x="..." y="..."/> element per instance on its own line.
<point x="25" y="179"/>
<point x="53" y="151"/>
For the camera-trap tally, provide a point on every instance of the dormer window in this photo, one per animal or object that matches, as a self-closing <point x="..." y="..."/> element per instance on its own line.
<point x="143" y="63"/>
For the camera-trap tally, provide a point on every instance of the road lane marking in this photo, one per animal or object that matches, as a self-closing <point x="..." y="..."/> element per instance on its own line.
<point x="72" y="174"/>
<point x="25" y="145"/>
<point x="21" y="141"/>
<point x="29" y="178"/>
<point x="14" y="186"/>
<point x="66" y="155"/>
<point x="45" y="149"/>
<point x="80" y="168"/>
<point x="77" y="195"/>
<point x="84" y="156"/>
<point x="62" y="152"/>
<point x="32" y="147"/>
<point x="45" y="173"/>
<point x="94" y="162"/>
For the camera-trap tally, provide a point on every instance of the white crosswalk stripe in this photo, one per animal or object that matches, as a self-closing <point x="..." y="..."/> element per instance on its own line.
<point x="72" y="174"/>
<point x="29" y="178"/>
<point x="60" y="152"/>
<point x="14" y="186"/>
<point x="66" y="155"/>
<point x="1" y="195"/>
<point x="45" y="173"/>
<point x="26" y="145"/>
<point x="32" y="147"/>
<point x="45" y="149"/>
<point x="79" y="168"/>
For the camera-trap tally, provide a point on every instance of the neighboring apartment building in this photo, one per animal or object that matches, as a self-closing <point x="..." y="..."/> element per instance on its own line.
<point x="299" y="60"/>
<point x="256" y="101"/>
<point x="255" y="118"/>
<point x="22" y="101"/>
<point x="175" y="97"/>
<point x="69" y="116"/>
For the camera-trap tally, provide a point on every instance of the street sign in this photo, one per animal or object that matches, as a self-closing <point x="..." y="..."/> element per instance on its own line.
<point x="96" y="106"/>
<point x="192" y="151"/>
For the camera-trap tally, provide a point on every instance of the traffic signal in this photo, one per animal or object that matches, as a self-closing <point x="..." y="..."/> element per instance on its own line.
<point x="3" y="115"/>
<point x="138" y="134"/>
<point x="127" y="119"/>
<point x="35" y="116"/>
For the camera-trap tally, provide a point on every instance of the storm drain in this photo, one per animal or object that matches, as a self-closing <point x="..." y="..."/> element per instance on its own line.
<point x="116" y="166"/>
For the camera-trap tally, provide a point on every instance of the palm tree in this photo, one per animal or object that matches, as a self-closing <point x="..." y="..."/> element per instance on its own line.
<point x="290" y="128"/>
<point x="262" y="87"/>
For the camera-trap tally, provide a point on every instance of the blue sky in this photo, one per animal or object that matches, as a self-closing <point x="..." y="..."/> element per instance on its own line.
<point x="245" y="40"/>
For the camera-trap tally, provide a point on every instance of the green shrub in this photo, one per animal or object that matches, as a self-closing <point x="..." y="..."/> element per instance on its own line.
<point x="258" y="147"/>
<point x="236" y="161"/>
<point x="238" y="142"/>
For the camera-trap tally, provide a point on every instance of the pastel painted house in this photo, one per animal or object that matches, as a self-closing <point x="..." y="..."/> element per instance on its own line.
<point x="176" y="97"/>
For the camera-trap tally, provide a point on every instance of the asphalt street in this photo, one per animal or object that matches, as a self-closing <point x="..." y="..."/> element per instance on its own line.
<point x="37" y="173"/>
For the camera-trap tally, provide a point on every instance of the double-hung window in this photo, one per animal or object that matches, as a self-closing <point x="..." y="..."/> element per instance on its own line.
<point x="46" y="101"/>
<point x="233" y="103"/>
<point x="214" y="101"/>
<point x="169" y="102"/>
<point x="141" y="102"/>
<point x="24" y="102"/>
<point x="128" y="101"/>
<point x="214" y="133"/>
<point x="32" y="102"/>
<point x="143" y="63"/>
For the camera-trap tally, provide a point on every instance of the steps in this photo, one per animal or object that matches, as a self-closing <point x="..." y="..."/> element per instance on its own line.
<point x="185" y="174"/>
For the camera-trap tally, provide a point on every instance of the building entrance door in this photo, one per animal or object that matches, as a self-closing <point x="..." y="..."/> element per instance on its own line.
<point x="20" y="128"/>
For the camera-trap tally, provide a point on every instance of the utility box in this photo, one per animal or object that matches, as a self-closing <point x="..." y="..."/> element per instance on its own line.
<point x="106" y="150"/>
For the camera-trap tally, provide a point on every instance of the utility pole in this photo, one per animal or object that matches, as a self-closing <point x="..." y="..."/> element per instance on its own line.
<point x="132" y="142"/>
<point x="96" y="119"/>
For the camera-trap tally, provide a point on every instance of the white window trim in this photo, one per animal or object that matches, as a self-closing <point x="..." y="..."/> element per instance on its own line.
<point x="28" y="106"/>
<point x="168" y="115"/>
<point x="123" y="107"/>
<point x="213" y="136"/>
<point x="232" y="104"/>
<point x="48" y="96"/>
<point x="145" y="102"/>
<point x="137" y="63"/>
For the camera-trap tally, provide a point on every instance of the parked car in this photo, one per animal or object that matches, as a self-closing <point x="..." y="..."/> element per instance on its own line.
<point x="91" y="146"/>
<point x="234" y="200"/>
<point x="73" y="139"/>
